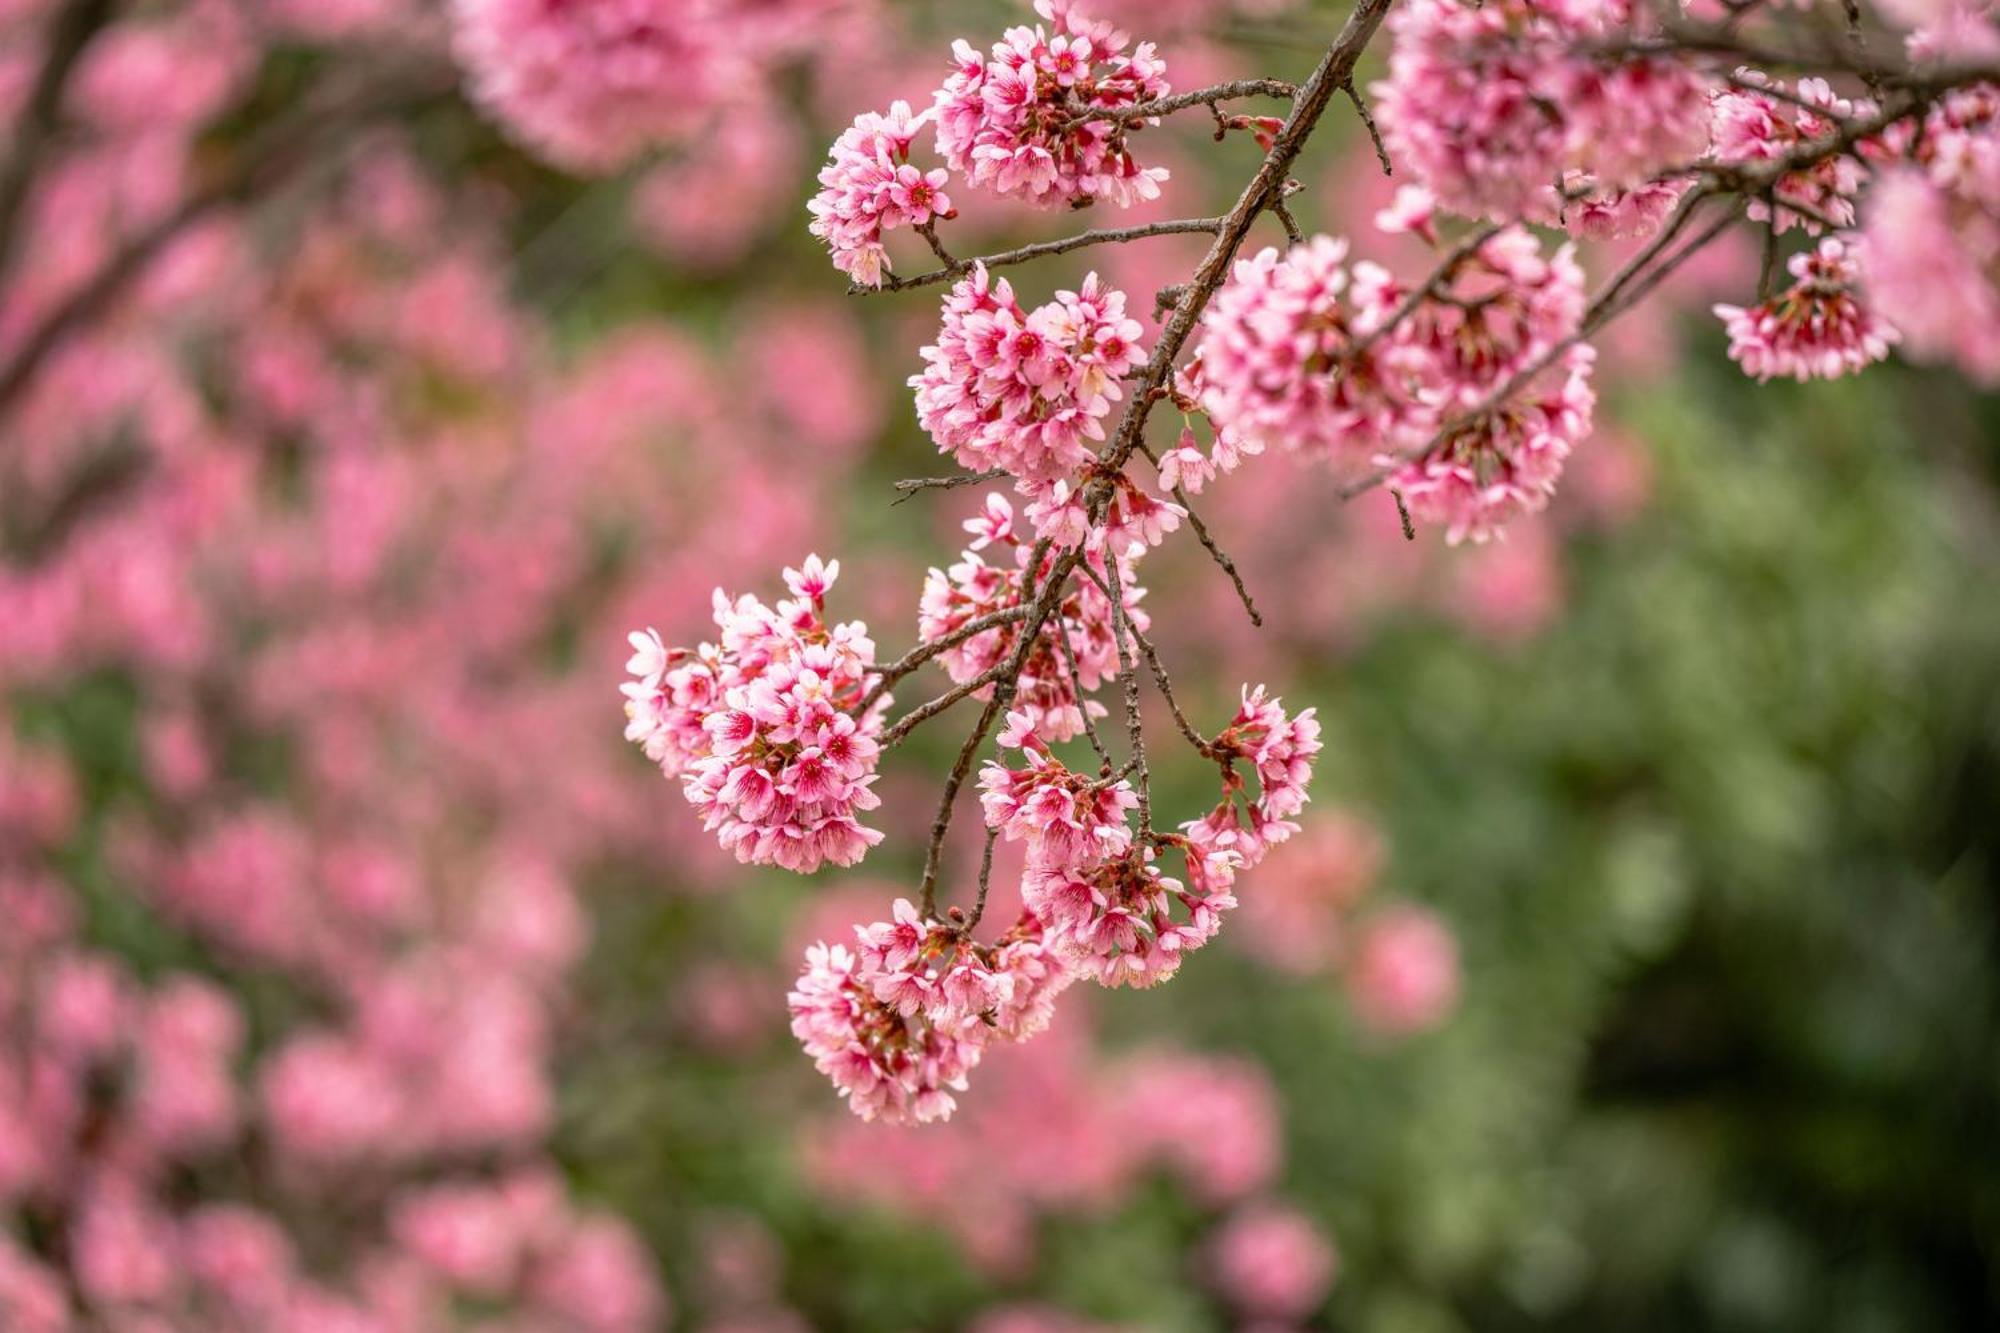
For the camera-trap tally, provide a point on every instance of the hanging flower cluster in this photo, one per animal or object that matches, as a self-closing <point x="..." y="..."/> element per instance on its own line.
<point x="1761" y="121"/>
<point x="900" y="1020"/>
<point x="591" y="84"/>
<point x="1074" y="652"/>
<point x="869" y="186"/>
<point x="765" y="729"/>
<point x="1930" y="249"/>
<point x="1494" y="106"/>
<point x="1042" y="120"/>
<point x="1816" y="329"/>
<point x="1108" y="906"/>
<point x="1462" y="392"/>
<point x="1025" y="390"/>
<point x="1011" y="122"/>
<point x="1306" y="353"/>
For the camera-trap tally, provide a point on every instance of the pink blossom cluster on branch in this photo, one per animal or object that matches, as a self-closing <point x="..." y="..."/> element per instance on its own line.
<point x="1462" y="391"/>
<point x="592" y="84"/>
<point x="1303" y="354"/>
<point x="1014" y="122"/>
<point x="767" y="729"/>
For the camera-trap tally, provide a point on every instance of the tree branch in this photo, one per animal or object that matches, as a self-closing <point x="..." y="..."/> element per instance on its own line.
<point x="70" y="34"/>
<point x="1039" y="250"/>
<point x="1208" y="97"/>
<point x="267" y="161"/>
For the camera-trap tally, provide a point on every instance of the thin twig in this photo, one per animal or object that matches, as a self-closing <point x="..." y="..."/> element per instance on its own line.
<point x="1128" y="682"/>
<point x="70" y="33"/>
<point x="941" y="822"/>
<point x="1403" y="513"/>
<point x="1215" y="551"/>
<point x="1076" y="687"/>
<point x="985" y="878"/>
<point x="929" y="232"/>
<point x="930" y="648"/>
<point x="1004" y="686"/>
<point x="912" y="485"/>
<point x="1041" y="249"/>
<point x="1293" y="233"/>
<point x="1446" y="269"/>
<point x="1166" y="688"/>
<point x="1208" y="97"/>
<point x="1374" y="134"/>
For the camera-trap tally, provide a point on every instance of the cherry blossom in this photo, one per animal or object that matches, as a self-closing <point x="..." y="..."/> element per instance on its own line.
<point x="1010" y="122"/>
<point x="870" y="187"/>
<point x="1491" y="105"/>
<point x="1815" y="329"/>
<point x="765" y="728"/>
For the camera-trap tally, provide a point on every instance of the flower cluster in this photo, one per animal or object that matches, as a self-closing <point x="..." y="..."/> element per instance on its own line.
<point x="900" y="1020"/>
<point x="1930" y="244"/>
<point x="1761" y="121"/>
<point x="594" y="83"/>
<point x="869" y="186"/>
<point x="1816" y="328"/>
<point x="1113" y="921"/>
<point x="765" y="729"/>
<point x="1308" y="354"/>
<point x="1107" y="905"/>
<point x="1491" y="105"/>
<point x="1012" y="122"/>
<point x="1024" y="390"/>
<point x="1280" y="749"/>
<point x="1289" y="358"/>
<point x="1272" y="1262"/>
<point x="1065" y="818"/>
<point x="1074" y="652"/>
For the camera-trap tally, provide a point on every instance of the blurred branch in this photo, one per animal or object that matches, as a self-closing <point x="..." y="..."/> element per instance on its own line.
<point x="271" y="158"/>
<point x="70" y="33"/>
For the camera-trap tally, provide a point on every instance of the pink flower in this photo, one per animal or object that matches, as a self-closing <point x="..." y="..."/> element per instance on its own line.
<point x="1403" y="976"/>
<point x="1753" y="127"/>
<point x="1272" y="1262"/>
<point x="1814" y="329"/>
<point x="1281" y="748"/>
<point x="869" y="188"/>
<point x="887" y="1064"/>
<point x="1024" y="390"/>
<point x="764" y="730"/>
<point x="593" y="83"/>
<point x="1286" y="360"/>
<point x="1066" y="819"/>
<point x="1113" y="921"/>
<point x="1489" y="105"/>
<point x="1507" y="462"/>
<point x="1007" y="122"/>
